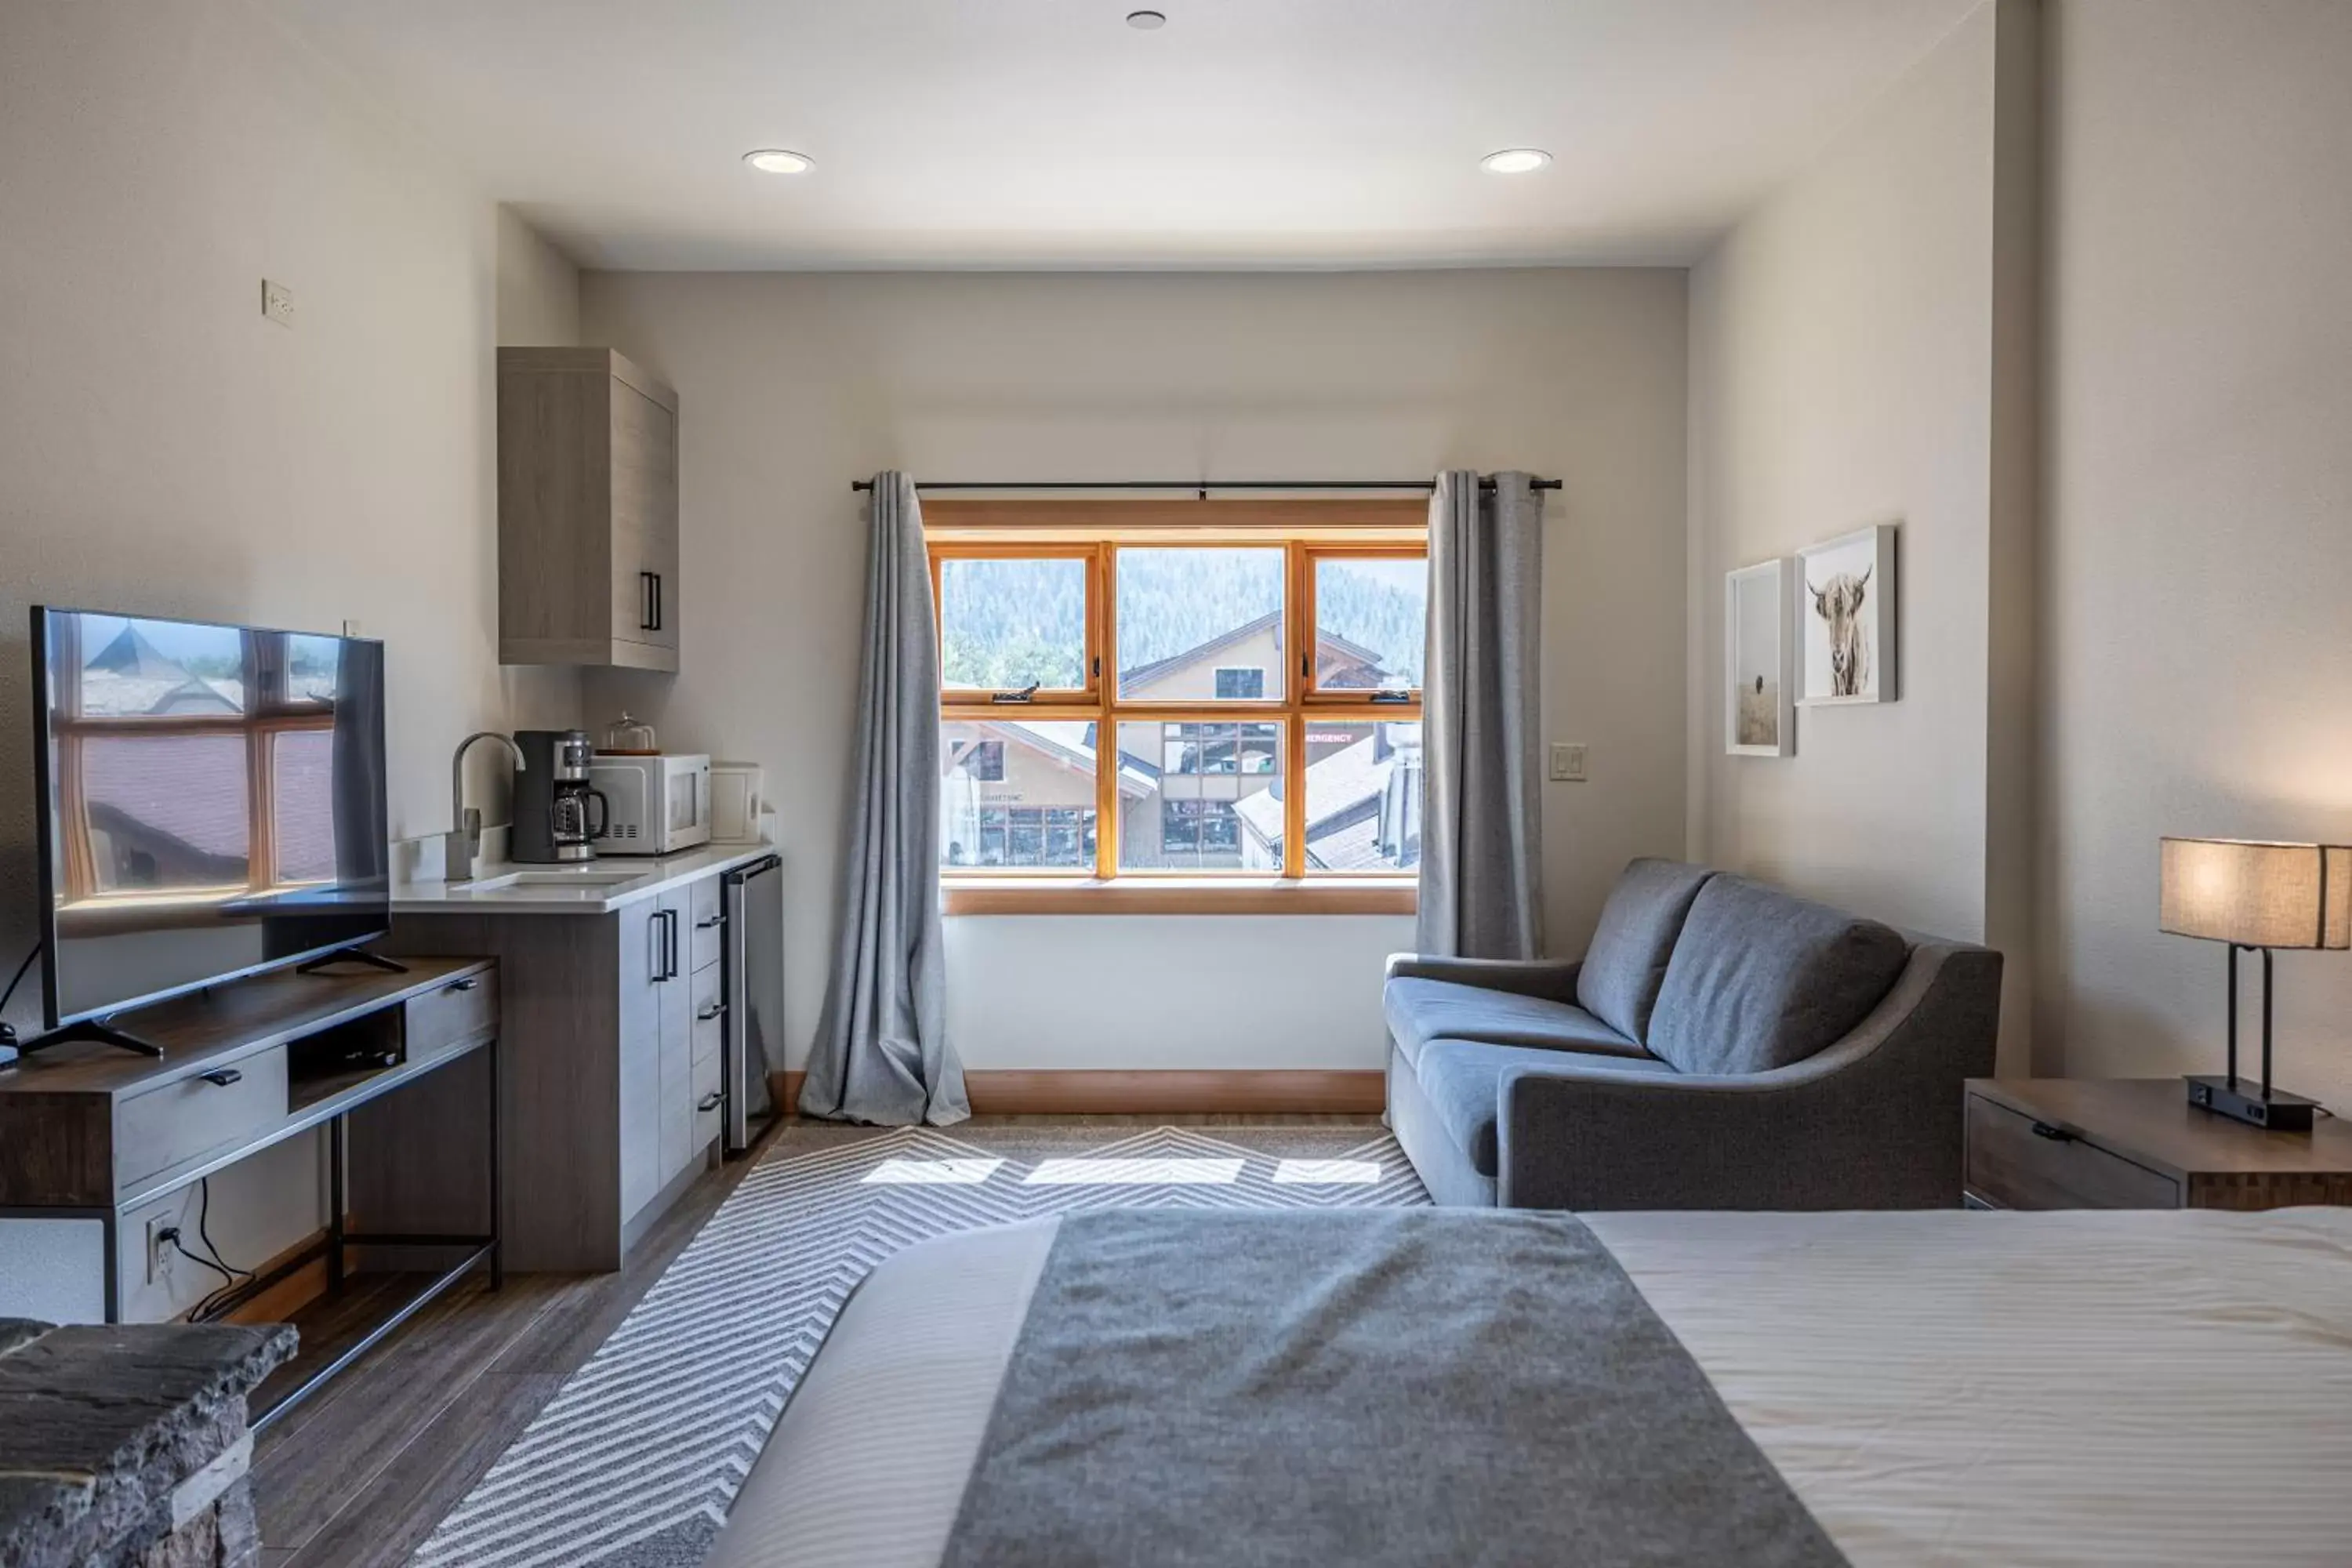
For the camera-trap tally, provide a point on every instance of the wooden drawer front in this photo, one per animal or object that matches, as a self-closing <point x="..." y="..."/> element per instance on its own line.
<point x="464" y="1009"/>
<point x="707" y="1107"/>
<point x="168" y="1126"/>
<point x="704" y="912"/>
<point x="709" y="1014"/>
<point x="2012" y="1165"/>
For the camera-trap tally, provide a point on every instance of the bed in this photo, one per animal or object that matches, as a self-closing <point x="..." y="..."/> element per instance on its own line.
<point x="1940" y="1387"/>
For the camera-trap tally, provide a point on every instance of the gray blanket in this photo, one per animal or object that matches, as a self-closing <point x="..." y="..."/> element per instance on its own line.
<point x="1359" y="1389"/>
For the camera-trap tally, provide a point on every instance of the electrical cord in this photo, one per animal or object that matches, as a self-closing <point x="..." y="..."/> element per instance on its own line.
<point x="231" y="1275"/>
<point x="8" y="1031"/>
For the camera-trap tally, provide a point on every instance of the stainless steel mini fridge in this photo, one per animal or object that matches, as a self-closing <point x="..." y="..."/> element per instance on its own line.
<point x="755" y="998"/>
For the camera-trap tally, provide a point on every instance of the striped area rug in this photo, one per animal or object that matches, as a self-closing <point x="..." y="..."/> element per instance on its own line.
<point x="634" y="1462"/>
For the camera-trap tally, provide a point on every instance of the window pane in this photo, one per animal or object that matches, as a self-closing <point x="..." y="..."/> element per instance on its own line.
<point x="1005" y="625"/>
<point x="1200" y="797"/>
<point x="1363" y="797"/>
<point x="302" y="792"/>
<point x="1198" y="626"/>
<point x="1017" y="795"/>
<point x="166" y="811"/>
<point x="159" y="670"/>
<point x="1371" y="622"/>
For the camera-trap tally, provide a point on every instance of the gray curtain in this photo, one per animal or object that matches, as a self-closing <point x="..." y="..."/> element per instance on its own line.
<point x="1481" y="847"/>
<point x="881" y="1051"/>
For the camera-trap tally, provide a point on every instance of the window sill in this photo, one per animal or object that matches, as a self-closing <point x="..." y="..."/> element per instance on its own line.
<point x="1173" y="896"/>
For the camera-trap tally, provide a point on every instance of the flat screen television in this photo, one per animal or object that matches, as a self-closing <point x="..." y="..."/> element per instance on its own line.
<point x="212" y="803"/>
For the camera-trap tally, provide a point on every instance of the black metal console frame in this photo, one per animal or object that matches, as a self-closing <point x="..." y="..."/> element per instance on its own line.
<point x="337" y="1239"/>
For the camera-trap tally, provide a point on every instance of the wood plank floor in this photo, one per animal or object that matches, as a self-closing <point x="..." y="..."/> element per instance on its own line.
<point x="358" y="1475"/>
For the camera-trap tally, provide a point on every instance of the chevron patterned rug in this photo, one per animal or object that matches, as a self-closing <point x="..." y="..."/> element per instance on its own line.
<point x="636" y="1461"/>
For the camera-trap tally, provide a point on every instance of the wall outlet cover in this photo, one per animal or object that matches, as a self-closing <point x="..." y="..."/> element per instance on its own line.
<point x="159" y="1251"/>
<point x="1567" y="763"/>
<point x="278" y="302"/>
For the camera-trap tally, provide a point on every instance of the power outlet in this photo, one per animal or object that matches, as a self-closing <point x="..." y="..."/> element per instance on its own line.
<point x="158" y="1250"/>
<point x="1567" y="763"/>
<point x="278" y="302"/>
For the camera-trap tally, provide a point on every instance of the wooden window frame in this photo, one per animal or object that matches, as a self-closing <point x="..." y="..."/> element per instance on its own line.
<point x="1307" y="532"/>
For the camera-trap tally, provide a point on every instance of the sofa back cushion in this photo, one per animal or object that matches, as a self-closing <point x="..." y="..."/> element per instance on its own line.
<point x="1627" y="961"/>
<point x="1760" y="979"/>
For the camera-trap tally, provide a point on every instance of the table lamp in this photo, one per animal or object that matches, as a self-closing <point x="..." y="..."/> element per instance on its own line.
<point x="2256" y="898"/>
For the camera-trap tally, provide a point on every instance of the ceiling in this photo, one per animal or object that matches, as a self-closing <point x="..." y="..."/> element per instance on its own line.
<point x="1048" y="133"/>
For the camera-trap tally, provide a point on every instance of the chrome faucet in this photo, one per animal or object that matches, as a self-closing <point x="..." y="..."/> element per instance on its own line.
<point x="459" y="845"/>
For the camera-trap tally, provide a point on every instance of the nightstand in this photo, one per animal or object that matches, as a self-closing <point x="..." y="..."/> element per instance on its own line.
<point x="2138" y="1143"/>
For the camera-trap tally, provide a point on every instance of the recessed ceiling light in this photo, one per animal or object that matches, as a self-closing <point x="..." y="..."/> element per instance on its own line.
<point x="776" y="160"/>
<point x="1146" y="21"/>
<point x="1515" y="161"/>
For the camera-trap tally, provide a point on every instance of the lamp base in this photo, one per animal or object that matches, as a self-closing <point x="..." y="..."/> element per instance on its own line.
<point x="2242" y="1100"/>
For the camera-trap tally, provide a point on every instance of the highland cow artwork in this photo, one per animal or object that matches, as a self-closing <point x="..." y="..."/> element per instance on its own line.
<point x="1845" y="601"/>
<point x="1758" y="708"/>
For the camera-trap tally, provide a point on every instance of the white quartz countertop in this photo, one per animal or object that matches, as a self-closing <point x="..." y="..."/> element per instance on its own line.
<point x="594" y="888"/>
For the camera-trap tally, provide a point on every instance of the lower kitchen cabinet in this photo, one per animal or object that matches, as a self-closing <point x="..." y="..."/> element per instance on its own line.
<point x="610" y="1064"/>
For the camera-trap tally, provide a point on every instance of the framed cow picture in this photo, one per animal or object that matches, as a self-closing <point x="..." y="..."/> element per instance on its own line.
<point x="1846" y="602"/>
<point x="1759" y="661"/>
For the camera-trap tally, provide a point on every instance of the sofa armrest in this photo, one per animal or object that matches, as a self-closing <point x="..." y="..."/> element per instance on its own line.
<point x="1872" y="1122"/>
<point x="1554" y="979"/>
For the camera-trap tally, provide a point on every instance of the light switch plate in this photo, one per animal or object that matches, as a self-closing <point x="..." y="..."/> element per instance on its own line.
<point x="278" y="302"/>
<point x="1567" y="763"/>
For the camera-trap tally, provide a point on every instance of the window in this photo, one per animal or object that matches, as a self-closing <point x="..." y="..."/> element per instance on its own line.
<point x="192" y="759"/>
<point x="1144" y="696"/>
<point x="1240" y="685"/>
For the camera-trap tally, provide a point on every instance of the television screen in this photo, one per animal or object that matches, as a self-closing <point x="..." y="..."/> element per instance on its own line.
<point x="213" y="803"/>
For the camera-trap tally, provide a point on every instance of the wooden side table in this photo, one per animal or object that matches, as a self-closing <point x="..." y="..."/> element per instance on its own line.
<point x="2138" y="1143"/>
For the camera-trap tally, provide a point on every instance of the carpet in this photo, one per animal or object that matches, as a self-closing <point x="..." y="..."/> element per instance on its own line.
<point x="636" y="1461"/>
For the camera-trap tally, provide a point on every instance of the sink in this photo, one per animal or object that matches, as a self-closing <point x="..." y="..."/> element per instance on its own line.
<point x="584" y="878"/>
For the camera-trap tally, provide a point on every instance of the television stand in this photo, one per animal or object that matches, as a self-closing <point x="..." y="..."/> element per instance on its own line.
<point x="93" y="1030"/>
<point x="351" y="955"/>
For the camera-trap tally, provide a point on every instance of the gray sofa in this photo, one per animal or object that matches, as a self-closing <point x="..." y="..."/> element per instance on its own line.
<point x="1722" y="1045"/>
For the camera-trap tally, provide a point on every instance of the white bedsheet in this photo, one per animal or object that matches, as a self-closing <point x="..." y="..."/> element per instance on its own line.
<point x="1939" y="1388"/>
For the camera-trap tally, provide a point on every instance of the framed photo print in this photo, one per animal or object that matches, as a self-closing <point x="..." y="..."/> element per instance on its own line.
<point x="1759" y="661"/>
<point x="1846" y="602"/>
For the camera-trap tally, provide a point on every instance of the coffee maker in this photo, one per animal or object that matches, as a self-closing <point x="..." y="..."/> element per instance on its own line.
<point x="554" y="822"/>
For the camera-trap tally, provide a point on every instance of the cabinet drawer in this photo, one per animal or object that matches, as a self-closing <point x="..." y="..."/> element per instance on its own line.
<point x="706" y="1105"/>
<point x="706" y="913"/>
<point x="709" y="1014"/>
<point x="165" y="1127"/>
<point x="2011" y="1165"/>
<point x="462" y="1009"/>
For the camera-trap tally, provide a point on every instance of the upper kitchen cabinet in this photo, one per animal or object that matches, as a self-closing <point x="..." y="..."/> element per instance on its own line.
<point x="587" y="512"/>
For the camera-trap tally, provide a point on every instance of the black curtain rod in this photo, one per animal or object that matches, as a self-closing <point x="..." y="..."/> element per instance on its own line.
<point x="1202" y="486"/>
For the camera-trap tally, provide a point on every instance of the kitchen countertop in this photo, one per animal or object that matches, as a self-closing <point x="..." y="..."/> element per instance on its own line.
<point x="593" y="887"/>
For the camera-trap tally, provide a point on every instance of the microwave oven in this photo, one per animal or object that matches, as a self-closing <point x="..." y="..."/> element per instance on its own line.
<point x="653" y="805"/>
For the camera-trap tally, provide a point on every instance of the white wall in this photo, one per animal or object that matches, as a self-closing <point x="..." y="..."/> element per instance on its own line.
<point x="1844" y="373"/>
<point x="165" y="448"/>
<point x="790" y="385"/>
<point x="2198" y="670"/>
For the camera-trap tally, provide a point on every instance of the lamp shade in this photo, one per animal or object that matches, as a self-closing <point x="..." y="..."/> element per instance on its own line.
<point x="2257" y="895"/>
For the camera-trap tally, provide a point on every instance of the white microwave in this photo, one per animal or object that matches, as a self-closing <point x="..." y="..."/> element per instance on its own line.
<point x="653" y="805"/>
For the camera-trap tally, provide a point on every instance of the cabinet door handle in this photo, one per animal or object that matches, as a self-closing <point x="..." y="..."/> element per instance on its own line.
<point x="713" y="1011"/>
<point x="709" y="1101"/>
<point x="670" y="918"/>
<point x="649" y="603"/>
<point x="659" y="966"/>
<point x="466" y="984"/>
<point x="2055" y="1134"/>
<point x="713" y="923"/>
<point x="223" y="1077"/>
<point x="658" y="605"/>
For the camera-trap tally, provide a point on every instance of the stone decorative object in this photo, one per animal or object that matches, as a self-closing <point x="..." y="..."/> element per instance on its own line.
<point x="127" y="1446"/>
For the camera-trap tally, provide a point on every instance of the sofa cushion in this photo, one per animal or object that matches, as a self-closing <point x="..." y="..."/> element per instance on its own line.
<point x="1462" y="1081"/>
<point x="1627" y="961"/>
<point x="1423" y="1010"/>
<point x="1760" y="979"/>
